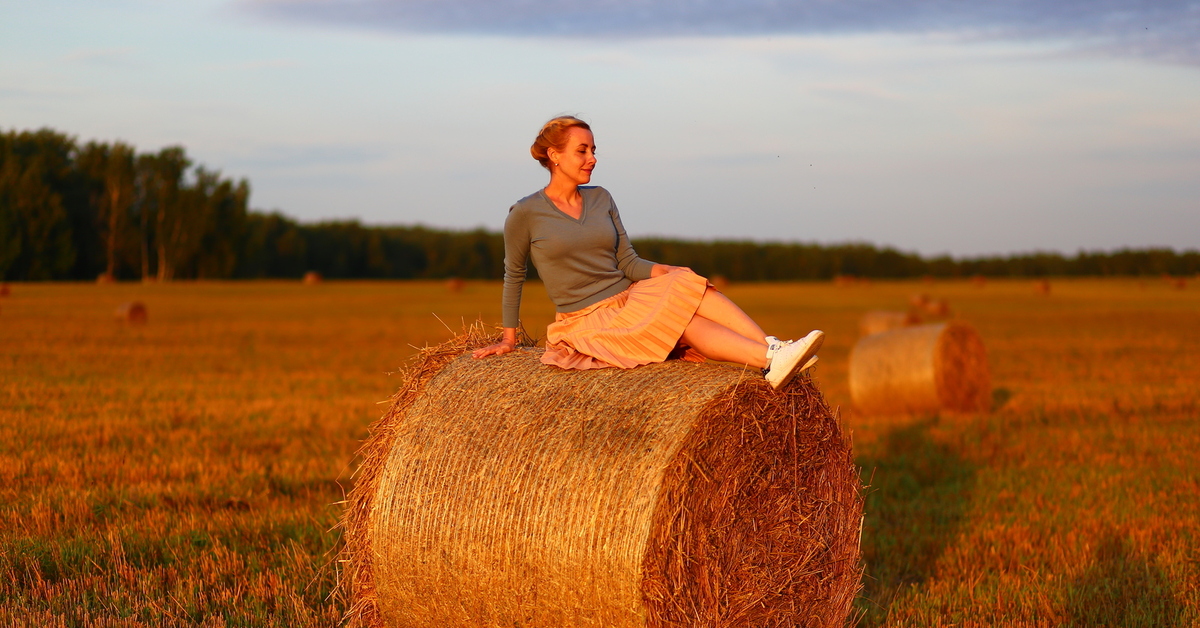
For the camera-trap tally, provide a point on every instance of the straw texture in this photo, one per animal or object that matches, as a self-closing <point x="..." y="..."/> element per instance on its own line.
<point x="504" y="492"/>
<point x="921" y="369"/>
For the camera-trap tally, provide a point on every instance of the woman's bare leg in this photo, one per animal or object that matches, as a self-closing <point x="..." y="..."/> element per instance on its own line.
<point x="718" y="342"/>
<point x="717" y="308"/>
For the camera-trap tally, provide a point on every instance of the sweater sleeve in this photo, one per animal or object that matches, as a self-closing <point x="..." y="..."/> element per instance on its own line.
<point x="634" y="267"/>
<point x="516" y="261"/>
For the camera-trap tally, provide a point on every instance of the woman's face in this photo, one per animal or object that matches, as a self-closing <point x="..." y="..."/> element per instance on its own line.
<point x="577" y="158"/>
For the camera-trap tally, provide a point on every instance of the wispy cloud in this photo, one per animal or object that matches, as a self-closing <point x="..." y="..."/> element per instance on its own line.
<point x="101" y="55"/>
<point x="1165" y="30"/>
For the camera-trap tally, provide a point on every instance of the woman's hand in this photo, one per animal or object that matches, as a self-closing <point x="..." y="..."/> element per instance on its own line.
<point x="507" y="343"/>
<point x="661" y="269"/>
<point x="500" y="348"/>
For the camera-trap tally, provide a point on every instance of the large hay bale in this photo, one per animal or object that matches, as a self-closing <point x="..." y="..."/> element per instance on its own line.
<point x="133" y="312"/>
<point x="921" y="369"/>
<point x="504" y="492"/>
<point x="879" y="321"/>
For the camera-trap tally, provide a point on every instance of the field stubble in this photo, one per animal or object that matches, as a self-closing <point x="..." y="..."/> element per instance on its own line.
<point x="188" y="471"/>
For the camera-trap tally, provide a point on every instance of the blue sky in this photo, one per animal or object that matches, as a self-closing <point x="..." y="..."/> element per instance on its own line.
<point x="936" y="126"/>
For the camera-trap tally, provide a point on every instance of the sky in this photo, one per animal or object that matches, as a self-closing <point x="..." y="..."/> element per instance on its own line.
<point x="961" y="127"/>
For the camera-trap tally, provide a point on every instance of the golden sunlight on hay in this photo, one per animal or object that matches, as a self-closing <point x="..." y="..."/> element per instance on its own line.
<point x="133" y="312"/>
<point x="879" y="321"/>
<point x="313" y="277"/>
<point x="921" y="369"/>
<point x="503" y="492"/>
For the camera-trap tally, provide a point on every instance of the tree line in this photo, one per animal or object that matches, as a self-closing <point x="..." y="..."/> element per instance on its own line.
<point x="71" y="211"/>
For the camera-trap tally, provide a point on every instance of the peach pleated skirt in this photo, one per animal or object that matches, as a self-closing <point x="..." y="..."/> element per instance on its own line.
<point x="639" y="326"/>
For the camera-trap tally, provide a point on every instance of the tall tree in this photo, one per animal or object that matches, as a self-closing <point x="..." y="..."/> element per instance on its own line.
<point x="161" y="175"/>
<point x="110" y="171"/>
<point x="36" y="171"/>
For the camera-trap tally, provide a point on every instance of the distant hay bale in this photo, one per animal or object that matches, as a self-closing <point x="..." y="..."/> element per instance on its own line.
<point x="455" y="285"/>
<point x="921" y="369"/>
<point x="937" y="308"/>
<point x="4" y="290"/>
<point x="918" y="301"/>
<point x="1042" y="287"/>
<point x="844" y="281"/>
<point x="879" y="321"/>
<point x="720" y="282"/>
<point x="313" y="277"/>
<point x="1180" y="283"/>
<point x="504" y="492"/>
<point x="105" y="278"/>
<point x="979" y="281"/>
<point x="133" y="312"/>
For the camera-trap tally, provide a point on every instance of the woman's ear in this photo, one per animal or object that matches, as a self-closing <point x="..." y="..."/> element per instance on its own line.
<point x="553" y="153"/>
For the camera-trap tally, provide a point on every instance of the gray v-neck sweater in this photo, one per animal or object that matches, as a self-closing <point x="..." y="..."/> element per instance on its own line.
<point x="581" y="262"/>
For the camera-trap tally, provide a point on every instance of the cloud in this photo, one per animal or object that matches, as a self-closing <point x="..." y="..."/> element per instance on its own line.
<point x="1164" y="30"/>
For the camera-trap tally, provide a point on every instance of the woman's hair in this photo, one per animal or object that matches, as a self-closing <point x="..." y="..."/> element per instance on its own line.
<point x="554" y="134"/>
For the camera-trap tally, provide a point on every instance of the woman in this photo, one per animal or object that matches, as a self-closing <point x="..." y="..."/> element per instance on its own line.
<point x="614" y="308"/>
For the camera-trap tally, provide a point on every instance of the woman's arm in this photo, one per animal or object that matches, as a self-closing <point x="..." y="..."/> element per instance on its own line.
<point x="516" y="260"/>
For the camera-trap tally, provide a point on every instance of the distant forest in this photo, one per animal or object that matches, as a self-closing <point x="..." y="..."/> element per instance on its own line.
<point x="104" y="210"/>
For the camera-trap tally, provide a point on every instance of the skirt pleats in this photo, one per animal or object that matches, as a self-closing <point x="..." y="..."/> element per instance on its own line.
<point x="639" y="326"/>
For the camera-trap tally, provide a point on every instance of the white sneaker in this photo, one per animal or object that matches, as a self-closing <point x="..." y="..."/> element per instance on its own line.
<point x="793" y="357"/>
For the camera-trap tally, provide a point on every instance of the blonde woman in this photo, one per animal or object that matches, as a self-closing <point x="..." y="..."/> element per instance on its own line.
<point x="615" y="309"/>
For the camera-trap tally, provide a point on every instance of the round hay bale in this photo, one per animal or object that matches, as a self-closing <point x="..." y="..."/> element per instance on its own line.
<point x="455" y="285"/>
<point x="936" y="308"/>
<point x="879" y="321"/>
<point x="105" y="279"/>
<point x="504" y="492"/>
<point x="921" y="369"/>
<point x="313" y="277"/>
<point x="133" y="312"/>
<point x="720" y="282"/>
<point x="979" y="281"/>
<point x="4" y="290"/>
<point x="1042" y="287"/>
<point x="918" y="301"/>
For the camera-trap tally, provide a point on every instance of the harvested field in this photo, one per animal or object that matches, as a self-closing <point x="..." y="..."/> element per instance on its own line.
<point x="879" y="321"/>
<point x="189" y="472"/>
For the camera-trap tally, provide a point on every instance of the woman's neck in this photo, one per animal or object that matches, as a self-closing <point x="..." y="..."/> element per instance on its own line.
<point x="562" y="190"/>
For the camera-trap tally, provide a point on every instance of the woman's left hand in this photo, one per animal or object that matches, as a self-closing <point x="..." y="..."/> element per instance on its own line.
<point x="661" y="269"/>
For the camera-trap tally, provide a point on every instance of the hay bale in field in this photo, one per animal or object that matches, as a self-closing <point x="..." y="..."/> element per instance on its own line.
<point x="720" y="282"/>
<point x="921" y="369"/>
<point x="4" y="290"/>
<point x="979" y="281"/>
<point x="133" y="312"/>
<point x="313" y="277"/>
<point x="879" y="321"/>
<point x="918" y="301"/>
<point x="936" y="308"/>
<point x="1042" y="287"/>
<point x="455" y="285"/>
<point x="105" y="279"/>
<point x="504" y="492"/>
